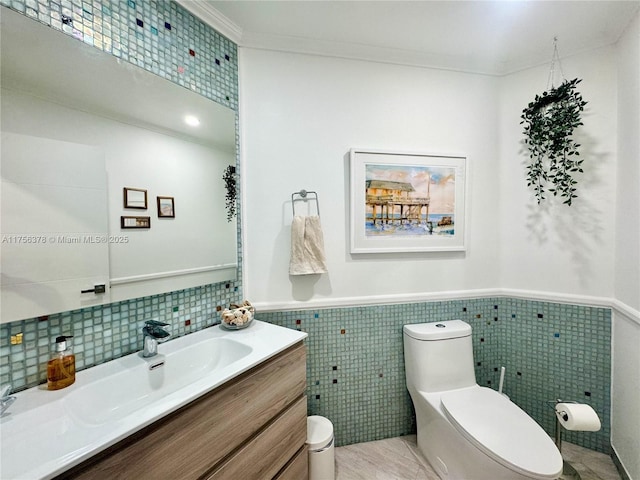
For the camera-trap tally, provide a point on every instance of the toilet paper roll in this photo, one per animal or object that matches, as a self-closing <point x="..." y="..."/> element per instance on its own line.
<point x="578" y="416"/>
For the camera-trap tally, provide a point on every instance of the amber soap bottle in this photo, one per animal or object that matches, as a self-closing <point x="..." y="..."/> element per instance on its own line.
<point x="61" y="369"/>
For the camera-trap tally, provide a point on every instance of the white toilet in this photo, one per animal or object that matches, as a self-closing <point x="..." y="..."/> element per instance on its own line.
<point x="469" y="432"/>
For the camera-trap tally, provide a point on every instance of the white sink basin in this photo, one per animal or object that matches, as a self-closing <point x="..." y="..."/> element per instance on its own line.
<point x="138" y="381"/>
<point x="44" y="433"/>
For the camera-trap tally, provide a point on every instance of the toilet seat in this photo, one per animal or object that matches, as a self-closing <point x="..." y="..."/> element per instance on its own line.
<point x="502" y="431"/>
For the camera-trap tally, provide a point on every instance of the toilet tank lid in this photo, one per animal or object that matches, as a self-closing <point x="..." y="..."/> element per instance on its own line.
<point x="438" y="330"/>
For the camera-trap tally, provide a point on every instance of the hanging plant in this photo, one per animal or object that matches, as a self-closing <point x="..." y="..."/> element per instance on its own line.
<point x="229" y="178"/>
<point x="549" y="122"/>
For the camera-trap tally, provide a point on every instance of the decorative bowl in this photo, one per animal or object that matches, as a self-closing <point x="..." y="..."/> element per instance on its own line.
<point x="237" y="317"/>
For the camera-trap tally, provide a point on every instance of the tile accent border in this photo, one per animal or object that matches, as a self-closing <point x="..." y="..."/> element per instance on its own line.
<point x="107" y="332"/>
<point x="161" y="37"/>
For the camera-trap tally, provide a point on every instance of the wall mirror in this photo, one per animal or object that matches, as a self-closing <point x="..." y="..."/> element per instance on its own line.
<point x="83" y="135"/>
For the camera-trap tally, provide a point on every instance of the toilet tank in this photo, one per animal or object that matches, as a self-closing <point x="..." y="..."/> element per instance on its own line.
<point x="438" y="356"/>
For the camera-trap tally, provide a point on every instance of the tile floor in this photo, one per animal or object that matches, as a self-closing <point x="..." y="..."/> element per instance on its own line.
<point x="399" y="459"/>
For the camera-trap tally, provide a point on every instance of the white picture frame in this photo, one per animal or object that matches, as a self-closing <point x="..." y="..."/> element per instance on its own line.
<point x="406" y="202"/>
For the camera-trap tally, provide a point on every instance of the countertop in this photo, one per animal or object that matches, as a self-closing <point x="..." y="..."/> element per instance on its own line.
<point x="41" y="437"/>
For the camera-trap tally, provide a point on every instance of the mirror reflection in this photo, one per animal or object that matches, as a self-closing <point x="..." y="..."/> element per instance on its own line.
<point x="110" y="176"/>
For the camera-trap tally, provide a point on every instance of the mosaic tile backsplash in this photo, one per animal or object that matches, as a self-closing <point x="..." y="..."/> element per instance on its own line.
<point x="104" y="333"/>
<point x="355" y="369"/>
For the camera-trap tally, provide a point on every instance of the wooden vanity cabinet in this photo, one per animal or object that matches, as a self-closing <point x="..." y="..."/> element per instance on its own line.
<point x="252" y="428"/>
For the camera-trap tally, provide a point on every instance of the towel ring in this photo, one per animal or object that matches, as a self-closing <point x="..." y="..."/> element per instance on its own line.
<point x="303" y="196"/>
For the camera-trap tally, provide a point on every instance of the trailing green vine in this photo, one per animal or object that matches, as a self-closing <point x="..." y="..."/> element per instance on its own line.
<point x="229" y="178"/>
<point x="549" y="122"/>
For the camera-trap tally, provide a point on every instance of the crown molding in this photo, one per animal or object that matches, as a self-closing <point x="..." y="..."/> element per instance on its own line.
<point x="363" y="52"/>
<point x="212" y="17"/>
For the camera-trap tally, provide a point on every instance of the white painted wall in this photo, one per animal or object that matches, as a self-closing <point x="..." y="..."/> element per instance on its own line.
<point x="627" y="263"/>
<point x="552" y="247"/>
<point x="625" y="393"/>
<point x="301" y="114"/>
<point x="625" y="417"/>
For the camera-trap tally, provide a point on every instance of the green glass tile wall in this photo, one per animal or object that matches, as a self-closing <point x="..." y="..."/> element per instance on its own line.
<point x="165" y="39"/>
<point x="355" y="369"/>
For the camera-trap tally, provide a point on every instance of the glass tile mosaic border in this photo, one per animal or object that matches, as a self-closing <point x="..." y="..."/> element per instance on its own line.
<point x="107" y="332"/>
<point x="159" y="36"/>
<point x="355" y="364"/>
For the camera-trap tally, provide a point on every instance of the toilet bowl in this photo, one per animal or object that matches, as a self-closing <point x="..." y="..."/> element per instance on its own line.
<point x="465" y="431"/>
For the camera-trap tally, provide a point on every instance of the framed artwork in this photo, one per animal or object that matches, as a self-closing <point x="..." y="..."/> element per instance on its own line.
<point x="407" y="202"/>
<point x="166" y="208"/>
<point x="135" y="198"/>
<point x="135" y="222"/>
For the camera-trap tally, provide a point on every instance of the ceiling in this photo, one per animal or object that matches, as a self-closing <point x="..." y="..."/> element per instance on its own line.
<point x="487" y="37"/>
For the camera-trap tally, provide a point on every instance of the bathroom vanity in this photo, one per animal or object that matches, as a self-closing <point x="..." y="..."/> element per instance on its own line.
<point x="242" y="416"/>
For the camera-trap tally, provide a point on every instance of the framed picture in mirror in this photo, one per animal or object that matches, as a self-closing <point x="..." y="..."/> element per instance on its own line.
<point x="166" y="207"/>
<point x="135" y="198"/>
<point x="135" y="222"/>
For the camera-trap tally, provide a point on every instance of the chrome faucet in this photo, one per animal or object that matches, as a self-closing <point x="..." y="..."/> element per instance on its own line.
<point x="153" y="333"/>
<point x="5" y="399"/>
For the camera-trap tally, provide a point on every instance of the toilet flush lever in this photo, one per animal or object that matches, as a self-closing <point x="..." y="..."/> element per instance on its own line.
<point x="100" y="288"/>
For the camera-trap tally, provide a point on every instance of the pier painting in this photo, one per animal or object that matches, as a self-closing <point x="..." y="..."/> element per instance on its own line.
<point x="406" y="202"/>
<point x="409" y="200"/>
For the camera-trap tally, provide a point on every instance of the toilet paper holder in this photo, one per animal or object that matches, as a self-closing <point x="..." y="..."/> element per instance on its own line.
<point x="568" y="471"/>
<point x="564" y="418"/>
<point x="564" y="414"/>
<point x="558" y="431"/>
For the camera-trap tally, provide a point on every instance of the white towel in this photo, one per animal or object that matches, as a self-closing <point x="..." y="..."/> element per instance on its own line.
<point x="307" y="246"/>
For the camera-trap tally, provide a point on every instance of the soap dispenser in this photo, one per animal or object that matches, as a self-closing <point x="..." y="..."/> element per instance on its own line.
<point x="61" y="369"/>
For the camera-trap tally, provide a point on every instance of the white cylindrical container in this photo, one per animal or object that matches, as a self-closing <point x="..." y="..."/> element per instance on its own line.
<point x="320" y="448"/>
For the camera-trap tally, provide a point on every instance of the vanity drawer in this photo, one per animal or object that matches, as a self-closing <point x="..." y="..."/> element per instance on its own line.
<point x="192" y="441"/>
<point x="265" y="455"/>
<point x="297" y="468"/>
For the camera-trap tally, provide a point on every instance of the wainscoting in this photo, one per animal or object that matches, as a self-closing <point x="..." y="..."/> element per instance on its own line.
<point x="355" y="365"/>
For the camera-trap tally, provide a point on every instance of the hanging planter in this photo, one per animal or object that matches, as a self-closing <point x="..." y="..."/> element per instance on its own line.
<point x="229" y="178"/>
<point x="549" y="122"/>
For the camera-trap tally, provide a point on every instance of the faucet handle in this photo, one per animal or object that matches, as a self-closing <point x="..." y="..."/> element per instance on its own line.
<point x="156" y="323"/>
<point x="6" y="389"/>
<point x="5" y="399"/>
<point x="154" y="328"/>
